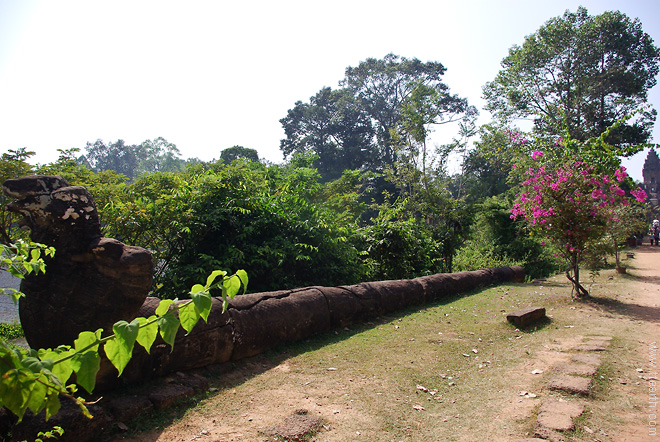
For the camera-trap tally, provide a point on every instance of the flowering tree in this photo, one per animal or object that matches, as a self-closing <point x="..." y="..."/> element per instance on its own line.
<point x="571" y="204"/>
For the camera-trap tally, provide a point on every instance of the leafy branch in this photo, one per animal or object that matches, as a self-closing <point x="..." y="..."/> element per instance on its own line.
<point x="34" y="379"/>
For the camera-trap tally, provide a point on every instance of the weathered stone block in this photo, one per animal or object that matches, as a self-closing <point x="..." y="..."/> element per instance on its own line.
<point x="571" y="384"/>
<point x="526" y="317"/>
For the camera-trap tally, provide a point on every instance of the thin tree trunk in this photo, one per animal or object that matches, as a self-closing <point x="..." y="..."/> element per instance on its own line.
<point x="577" y="291"/>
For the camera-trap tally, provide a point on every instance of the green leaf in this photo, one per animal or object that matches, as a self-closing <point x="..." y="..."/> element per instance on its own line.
<point x="163" y="307"/>
<point x="196" y="288"/>
<point x="188" y="316"/>
<point x="86" y="365"/>
<point x="169" y="325"/>
<point x="243" y="276"/>
<point x="37" y="366"/>
<point x="120" y="350"/>
<point x="88" y="340"/>
<point x="53" y="404"/>
<point x="37" y="399"/>
<point x="61" y="370"/>
<point x="232" y="286"/>
<point x="15" y="390"/>
<point x="147" y="333"/>
<point x="203" y="303"/>
<point x="214" y="274"/>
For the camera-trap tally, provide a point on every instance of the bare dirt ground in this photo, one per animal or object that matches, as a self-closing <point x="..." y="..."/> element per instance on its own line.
<point x="462" y="374"/>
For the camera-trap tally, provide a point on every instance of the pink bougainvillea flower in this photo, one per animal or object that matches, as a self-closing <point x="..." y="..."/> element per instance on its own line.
<point x="639" y="195"/>
<point x="537" y="155"/>
<point x="621" y="174"/>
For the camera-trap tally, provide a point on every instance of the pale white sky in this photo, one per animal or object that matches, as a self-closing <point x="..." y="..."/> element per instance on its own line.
<point x="207" y="75"/>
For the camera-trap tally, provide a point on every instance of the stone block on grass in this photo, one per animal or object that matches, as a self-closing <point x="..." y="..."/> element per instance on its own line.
<point x="526" y="317"/>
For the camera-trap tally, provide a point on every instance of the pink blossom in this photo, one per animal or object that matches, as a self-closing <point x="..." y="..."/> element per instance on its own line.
<point x="639" y="194"/>
<point x="621" y="174"/>
<point x="537" y="155"/>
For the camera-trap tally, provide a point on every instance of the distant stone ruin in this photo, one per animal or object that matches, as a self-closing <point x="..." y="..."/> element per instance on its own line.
<point x="93" y="282"/>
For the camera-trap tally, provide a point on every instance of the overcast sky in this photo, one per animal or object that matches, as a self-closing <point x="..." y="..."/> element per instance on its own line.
<point x="208" y="75"/>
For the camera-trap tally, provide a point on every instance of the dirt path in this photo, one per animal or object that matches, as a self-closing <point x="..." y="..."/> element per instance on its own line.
<point x="451" y="372"/>
<point x="642" y="308"/>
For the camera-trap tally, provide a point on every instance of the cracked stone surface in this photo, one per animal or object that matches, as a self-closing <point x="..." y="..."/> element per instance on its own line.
<point x="562" y="407"/>
<point x="571" y="384"/>
<point x="590" y="359"/>
<point x="555" y="421"/>
<point x="577" y="369"/>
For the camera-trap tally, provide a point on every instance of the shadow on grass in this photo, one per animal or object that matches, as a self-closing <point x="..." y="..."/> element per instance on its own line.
<point x="631" y="310"/>
<point x="645" y="279"/>
<point x="536" y="326"/>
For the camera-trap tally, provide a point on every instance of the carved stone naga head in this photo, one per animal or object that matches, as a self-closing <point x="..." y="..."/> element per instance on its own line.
<point x="92" y="281"/>
<point x="54" y="211"/>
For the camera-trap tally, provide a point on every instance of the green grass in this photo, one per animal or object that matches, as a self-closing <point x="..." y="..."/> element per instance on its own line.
<point x="11" y="331"/>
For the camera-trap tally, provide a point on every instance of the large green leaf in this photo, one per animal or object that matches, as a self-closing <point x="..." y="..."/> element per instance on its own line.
<point x="15" y="390"/>
<point x="147" y="333"/>
<point x="203" y="303"/>
<point x="243" y="276"/>
<point x="53" y="404"/>
<point x="88" y="341"/>
<point x="232" y="286"/>
<point x="188" y="316"/>
<point x="37" y="400"/>
<point x="163" y="307"/>
<point x="86" y="365"/>
<point x="62" y="370"/>
<point x="169" y="325"/>
<point x="214" y="274"/>
<point x="120" y="350"/>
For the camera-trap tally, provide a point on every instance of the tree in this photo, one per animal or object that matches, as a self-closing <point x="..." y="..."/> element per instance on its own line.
<point x="352" y="127"/>
<point x="333" y="127"/>
<point x="389" y="87"/>
<point x="571" y="205"/>
<point x="580" y="74"/>
<point x="13" y="164"/>
<point x="115" y="156"/>
<point x="235" y="152"/>
<point x="158" y="155"/>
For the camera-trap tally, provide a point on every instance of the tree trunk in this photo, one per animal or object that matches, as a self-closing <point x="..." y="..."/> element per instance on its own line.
<point x="577" y="291"/>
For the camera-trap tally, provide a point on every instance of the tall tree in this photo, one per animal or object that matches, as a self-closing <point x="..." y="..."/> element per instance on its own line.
<point x="333" y="127"/>
<point x="159" y="155"/>
<point x="389" y="87"/>
<point x="352" y="127"/>
<point x="581" y="74"/>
